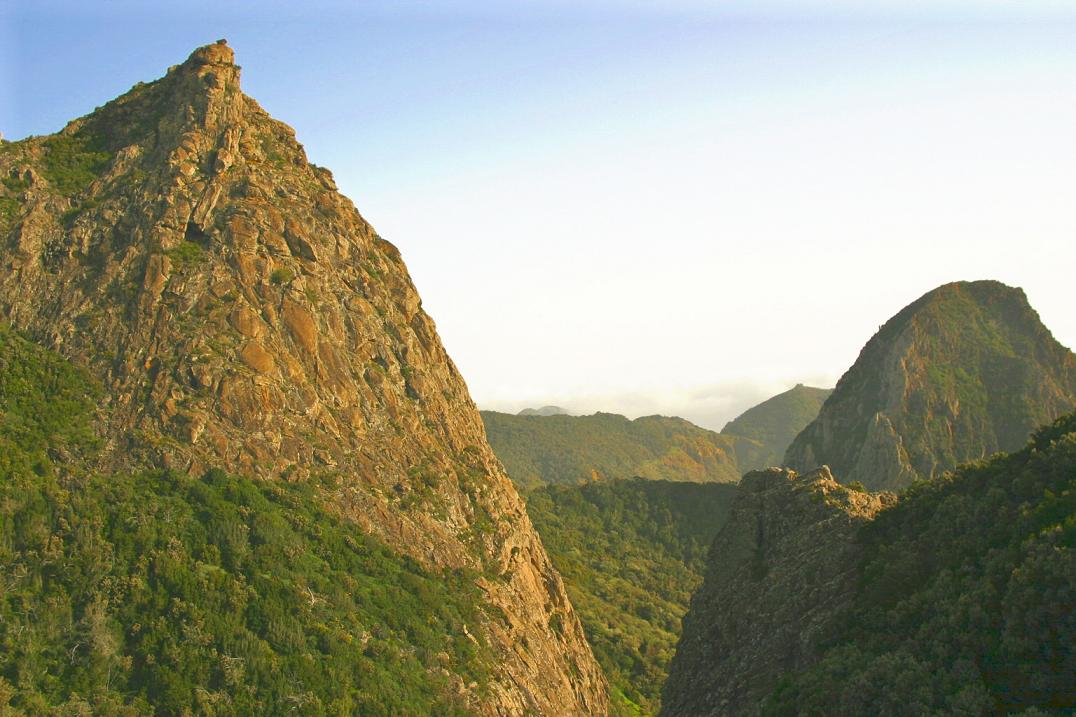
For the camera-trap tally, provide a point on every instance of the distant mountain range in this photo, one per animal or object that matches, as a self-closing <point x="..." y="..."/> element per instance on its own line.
<point x="541" y="447"/>
<point x="543" y="411"/>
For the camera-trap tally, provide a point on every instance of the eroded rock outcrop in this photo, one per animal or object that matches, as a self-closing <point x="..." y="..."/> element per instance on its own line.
<point x="780" y="570"/>
<point x="241" y="314"/>
<point x="963" y="372"/>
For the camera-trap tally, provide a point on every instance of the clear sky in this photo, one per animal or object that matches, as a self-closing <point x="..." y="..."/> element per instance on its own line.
<point x="639" y="207"/>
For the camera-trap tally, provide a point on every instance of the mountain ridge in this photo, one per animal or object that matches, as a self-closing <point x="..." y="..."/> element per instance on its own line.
<point x="573" y="449"/>
<point x="240" y="314"/>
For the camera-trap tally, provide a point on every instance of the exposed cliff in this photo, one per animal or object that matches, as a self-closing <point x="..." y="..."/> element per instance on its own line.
<point x="779" y="570"/>
<point x="965" y="371"/>
<point x="241" y="314"/>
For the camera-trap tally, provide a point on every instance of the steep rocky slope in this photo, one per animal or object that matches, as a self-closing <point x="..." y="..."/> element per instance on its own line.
<point x="963" y="372"/>
<point x="775" y="423"/>
<point x="782" y="565"/>
<point x="537" y="450"/>
<point x="955" y="600"/>
<point x="241" y="314"/>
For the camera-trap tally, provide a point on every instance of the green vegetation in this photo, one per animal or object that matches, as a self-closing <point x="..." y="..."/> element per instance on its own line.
<point x="186" y="254"/>
<point x="537" y="450"/>
<point x="631" y="553"/>
<point x="775" y="423"/>
<point x="10" y="206"/>
<point x="73" y="161"/>
<point x="965" y="597"/>
<point x="281" y="276"/>
<point x="15" y="185"/>
<point x="161" y="593"/>
<point x="45" y="407"/>
<point x="9" y="211"/>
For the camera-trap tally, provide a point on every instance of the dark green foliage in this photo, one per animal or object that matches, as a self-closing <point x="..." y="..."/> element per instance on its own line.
<point x="572" y="449"/>
<point x="159" y="593"/>
<point x="185" y="254"/>
<point x="73" y="161"/>
<point x="631" y="553"/>
<point x="10" y="204"/>
<point x="281" y="276"/>
<point x="46" y="407"/>
<point x="965" y="599"/>
<point x="775" y="423"/>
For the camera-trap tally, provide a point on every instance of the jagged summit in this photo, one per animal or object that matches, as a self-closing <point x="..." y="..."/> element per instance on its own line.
<point x="241" y="314"/>
<point x="964" y="371"/>
<point x="216" y="54"/>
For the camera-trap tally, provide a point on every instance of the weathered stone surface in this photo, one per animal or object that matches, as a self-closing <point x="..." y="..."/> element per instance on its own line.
<point x="780" y="569"/>
<point x="317" y="359"/>
<point x="963" y="372"/>
<point x="255" y="356"/>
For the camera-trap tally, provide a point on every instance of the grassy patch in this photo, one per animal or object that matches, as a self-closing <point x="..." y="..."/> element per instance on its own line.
<point x="72" y="162"/>
<point x="186" y="254"/>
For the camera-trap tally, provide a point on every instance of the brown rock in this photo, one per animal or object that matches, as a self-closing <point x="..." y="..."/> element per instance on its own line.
<point x="255" y="356"/>
<point x="246" y="322"/>
<point x="302" y="326"/>
<point x="271" y="401"/>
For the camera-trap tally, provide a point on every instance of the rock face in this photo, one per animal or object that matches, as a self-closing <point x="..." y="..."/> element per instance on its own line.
<point x="779" y="570"/>
<point x="775" y="423"/>
<point x="241" y="314"/>
<point x="964" y="372"/>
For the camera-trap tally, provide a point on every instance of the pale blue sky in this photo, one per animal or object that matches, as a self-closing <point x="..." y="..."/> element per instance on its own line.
<point x="673" y="207"/>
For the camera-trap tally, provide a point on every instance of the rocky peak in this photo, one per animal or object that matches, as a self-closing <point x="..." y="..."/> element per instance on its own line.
<point x="208" y="82"/>
<point x="778" y="571"/>
<point x="965" y="371"/>
<point x="241" y="314"/>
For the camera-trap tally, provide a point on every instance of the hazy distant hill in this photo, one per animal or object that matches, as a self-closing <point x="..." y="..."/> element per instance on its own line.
<point x="543" y="411"/>
<point x="775" y="423"/>
<point x="574" y="449"/>
<point x="631" y="553"/>
<point x="965" y="371"/>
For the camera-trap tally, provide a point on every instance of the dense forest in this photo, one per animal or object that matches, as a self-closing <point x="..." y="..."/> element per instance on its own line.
<point x="965" y="596"/>
<point x="631" y="553"/>
<point x="156" y="592"/>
